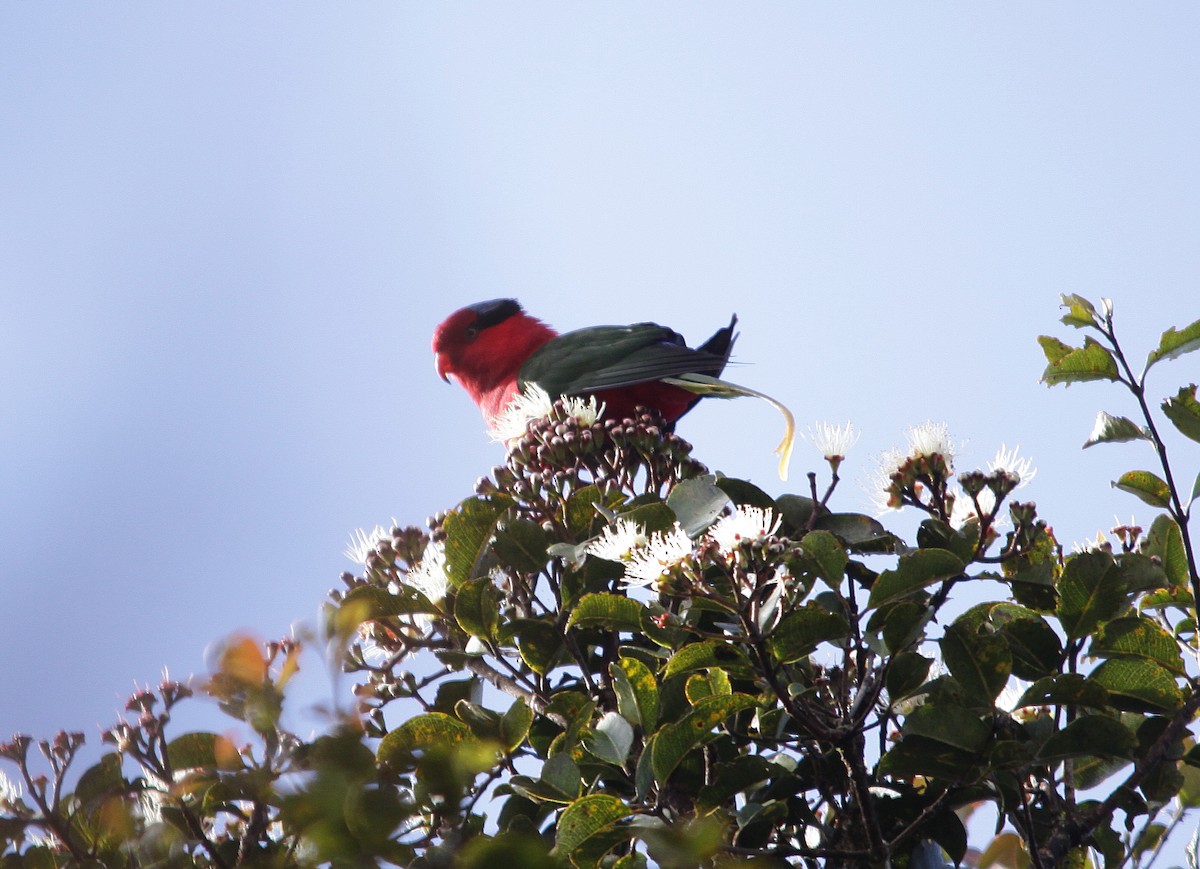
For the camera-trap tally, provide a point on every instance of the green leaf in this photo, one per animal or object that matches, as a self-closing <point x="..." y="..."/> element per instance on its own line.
<point x="802" y="630"/>
<point x="1036" y="649"/>
<point x="484" y="723"/>
<point x="710" y="683"/>
<point x="656" y="516"/>
<point x="101" y="781"/>
<point x="477" y="607"/>
<point x="612" y="611"/>
<point x="710" y="653"/>
<point x="903" y="623"/>
<point x="828" y="557"/>
<point x="906" y="674"/>
<point x="1184" y="412"/>
<point x="734" y="777"/>
<point x="1070" y="365"/>
<point x="429" y="730"/>
<point x="514" y="725"/>
<point x="540" y="643"/>
<point x="1080" y="312"/>
<point x="637" y="692"/>
<point x="1146" y="486"/>
<point x="1138" y="685"/>
<point x="200" y="751"/>
<point x="610" y="739"/>
<point x="561" y="772"/>
<point x="1095" y="735"/>
<point x="373" y="602"/>
<point x="522" y="544"/>
<point x="913" y="572"/>
<point x="674" y="741"/>
<point x="469" y="530"/>
<point x="796" y="511"/>
<point x="1064" y="689"/>
<point x="697" y="503"/>
<point x="585" y="818"/>
<point x="948" y="724"/>
<point x="1174" y="344"/>
<point x="861" y="533"/>
<point x="743" y="492"/>
<point x="581" y="510"/>
<point x="1091" y="591"/>
<point x="1138" y="637"/>
<point x="981" y="663"/>
<point x="919" y="755"/>
<point x="1115" y="429"/>
<point x="1165" y="542"/>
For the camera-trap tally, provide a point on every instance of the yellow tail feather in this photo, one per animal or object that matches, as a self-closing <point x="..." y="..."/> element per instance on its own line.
<point x="711" y="387"/>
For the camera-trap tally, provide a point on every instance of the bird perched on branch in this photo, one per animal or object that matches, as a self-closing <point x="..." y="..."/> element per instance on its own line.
<point x="495" y="351"/>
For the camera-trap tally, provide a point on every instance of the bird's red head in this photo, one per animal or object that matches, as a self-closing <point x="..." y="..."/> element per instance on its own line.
<point x="482" y="346"/>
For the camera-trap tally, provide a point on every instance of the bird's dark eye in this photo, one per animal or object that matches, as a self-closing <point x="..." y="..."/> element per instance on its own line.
<point x="471" y="333"/>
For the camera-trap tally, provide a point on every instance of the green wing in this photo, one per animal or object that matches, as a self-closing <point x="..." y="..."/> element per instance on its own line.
<point x="607" y="357"/>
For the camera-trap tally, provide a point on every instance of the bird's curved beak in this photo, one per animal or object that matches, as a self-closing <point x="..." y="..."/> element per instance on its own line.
<point x="439" y="365"/>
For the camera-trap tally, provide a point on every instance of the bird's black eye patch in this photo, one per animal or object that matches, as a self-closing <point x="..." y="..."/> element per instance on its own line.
<point x="488" y="314"/>
<point x="471" y="333"/>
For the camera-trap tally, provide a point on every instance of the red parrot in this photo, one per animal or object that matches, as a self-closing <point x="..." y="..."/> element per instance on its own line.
<point x="494" y="350"/>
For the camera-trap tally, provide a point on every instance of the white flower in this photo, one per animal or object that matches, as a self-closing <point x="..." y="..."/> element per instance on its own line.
<point x="744" y="523"/>
<point x="533" y="403"/>
<point x="10" y="793"/>
<point x="662" y="553"/>
<point x="931" y="438"/>
<point x="1106" y="306"/>
<point x="1099" y="543"/>
<point x="583" y="411"/>
<point x="879" y="480"/>
<point x="964" y="511"/>
<point x="618" y="541"/>
<point x="429" y="575"/>
<point x="834" y="441"/>
<point x="363" y="542"/>
<point x="1007" y="461"/>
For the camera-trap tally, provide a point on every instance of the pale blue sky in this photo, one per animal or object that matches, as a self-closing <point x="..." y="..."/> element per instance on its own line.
<point x="229" y="229"/>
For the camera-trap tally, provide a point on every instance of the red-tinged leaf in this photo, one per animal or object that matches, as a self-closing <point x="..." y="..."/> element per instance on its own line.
<point x="1146" y="486"/>
<point x="1174" y="344"/>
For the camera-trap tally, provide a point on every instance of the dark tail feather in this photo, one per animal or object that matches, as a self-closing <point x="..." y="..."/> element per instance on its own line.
<point x="719" y="345"/>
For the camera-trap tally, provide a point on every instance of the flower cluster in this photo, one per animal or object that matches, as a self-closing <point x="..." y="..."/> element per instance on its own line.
<point x="571" y="445"/>
<point x="655" y="559"/>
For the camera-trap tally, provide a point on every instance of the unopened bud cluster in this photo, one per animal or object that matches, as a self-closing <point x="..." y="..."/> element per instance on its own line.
<point x="564" y="451"/>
